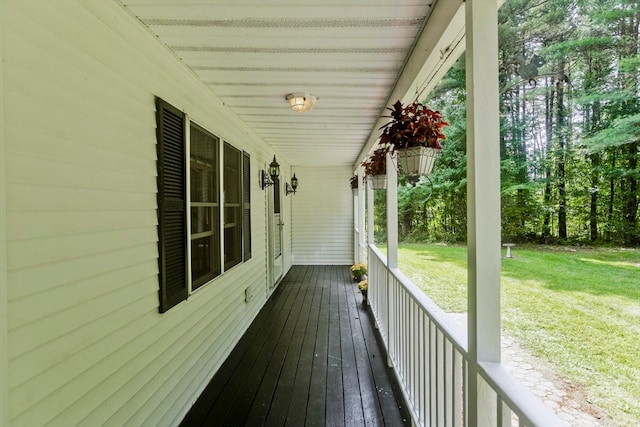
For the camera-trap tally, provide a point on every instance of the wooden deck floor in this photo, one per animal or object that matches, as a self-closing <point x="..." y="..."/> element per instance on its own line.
<point x="311" y="357"/>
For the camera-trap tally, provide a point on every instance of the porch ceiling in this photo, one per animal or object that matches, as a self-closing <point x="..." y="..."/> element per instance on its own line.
<point x="253" y="53"/>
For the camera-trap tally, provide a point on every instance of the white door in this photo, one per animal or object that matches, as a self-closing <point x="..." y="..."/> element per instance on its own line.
<point x="275" y="224"/>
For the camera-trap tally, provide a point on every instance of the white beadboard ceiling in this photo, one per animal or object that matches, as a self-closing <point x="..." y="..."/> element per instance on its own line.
<point x="252" y="53"/>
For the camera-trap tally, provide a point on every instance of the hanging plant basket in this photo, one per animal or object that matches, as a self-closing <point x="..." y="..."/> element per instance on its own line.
<point x="414" y="134"/>
<point x="416" y="161"/>
<point x="353" y="182"/>
<point x="375" y="168"/>
<point x="378" y="182"/>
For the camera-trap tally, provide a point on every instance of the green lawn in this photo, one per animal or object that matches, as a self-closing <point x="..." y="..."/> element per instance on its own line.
<point x="577" y="308"/>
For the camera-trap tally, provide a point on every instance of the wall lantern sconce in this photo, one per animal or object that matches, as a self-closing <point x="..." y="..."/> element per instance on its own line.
<point x="268" y="179"/>
<point x="301" y="102"/>
<point x="293" y="187"/>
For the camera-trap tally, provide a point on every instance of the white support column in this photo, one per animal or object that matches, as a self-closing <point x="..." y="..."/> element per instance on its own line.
<point x="392" y="211"/>
<point x="4" y="355"/>
<point x="392" y="249"/>
<point x="357" y="231"/>
<point x="370" y="216"/>
<point x="362" y="252"/>
<point x="483" y="200"/>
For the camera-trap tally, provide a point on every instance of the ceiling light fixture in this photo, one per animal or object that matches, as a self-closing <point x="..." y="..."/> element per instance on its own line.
<point x="301" y="102"/>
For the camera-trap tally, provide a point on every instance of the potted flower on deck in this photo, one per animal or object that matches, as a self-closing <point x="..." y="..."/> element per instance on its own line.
<point x="375" y="168"/>
<point x="364" y="288"/>
<point x="414" y="133"/>
<point x="358" y="271"/>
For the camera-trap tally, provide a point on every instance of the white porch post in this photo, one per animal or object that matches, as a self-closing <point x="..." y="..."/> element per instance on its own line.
<point x="4" y="354"/>
<point x="392" y="212"/>
<point x="392" y="249"/>
<point x="369" y="214"/>
<point x="361" y="243"/>
<point x="357" y="231"/>
<point x="483" y="202"/>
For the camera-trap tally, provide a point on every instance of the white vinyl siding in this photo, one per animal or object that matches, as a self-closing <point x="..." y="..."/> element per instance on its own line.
<point x="323" y="216"/>
<point x="86" y="344"/>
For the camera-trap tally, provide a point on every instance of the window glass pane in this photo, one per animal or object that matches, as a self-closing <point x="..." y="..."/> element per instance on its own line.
<point x="276" y="195"/>
<point x="232" y="175"/>
<point x="232" y="206"/>
<point x="205" y="216"/>
<point x="246" y="205"/>
<point x="204" y="147"/>
<point x="204" y="264"/>
<point x="202" y="219"/>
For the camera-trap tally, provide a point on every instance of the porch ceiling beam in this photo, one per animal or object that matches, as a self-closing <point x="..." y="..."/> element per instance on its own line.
<point x="438" y="46"/>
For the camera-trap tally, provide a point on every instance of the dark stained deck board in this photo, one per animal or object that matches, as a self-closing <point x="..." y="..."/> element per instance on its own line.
<point x="311" y="357"/>
<point x="238" y="411"/>
<point x="371" y="410"/>
<point x="242" y="360"/>
<point x="316" y="399"/>
<point x="266" y="397"/>
<point x="353" y="412"/>
<point x="283" y="387"/>
<point x="334" y="403"/>
<point x="298" y="404"/>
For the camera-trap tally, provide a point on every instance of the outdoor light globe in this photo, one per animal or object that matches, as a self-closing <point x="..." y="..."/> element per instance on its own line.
<point x="301" y="102"/>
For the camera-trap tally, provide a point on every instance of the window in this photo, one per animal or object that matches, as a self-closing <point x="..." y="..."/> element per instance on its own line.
<point x="203" y="232"/>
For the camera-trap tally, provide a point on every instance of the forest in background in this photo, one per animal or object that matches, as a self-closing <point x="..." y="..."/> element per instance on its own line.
<point x="570" y="125"/>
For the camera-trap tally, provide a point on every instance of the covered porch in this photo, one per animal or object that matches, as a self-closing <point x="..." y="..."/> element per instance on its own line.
<point x="83" y="341"/>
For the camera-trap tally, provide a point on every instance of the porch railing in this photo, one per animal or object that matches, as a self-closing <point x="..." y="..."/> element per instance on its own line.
<point x="430" y="358"/>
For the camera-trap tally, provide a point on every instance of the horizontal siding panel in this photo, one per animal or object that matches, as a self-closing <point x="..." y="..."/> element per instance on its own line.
<point x="85" y="110"/>
<point x="110" y="147"/>
<point x="46" y="278"/>
<point x="72" y="320"/>
<point x="31" y="225"/>
<point x="28" y="197"/>
<point x="39" y="306"/>
<point x="26" y="253"/>
<point x="323" y="217"/>
<point x="43" y="397"/>
<point x="52" y="58"/>
<point x="32" y="170"/>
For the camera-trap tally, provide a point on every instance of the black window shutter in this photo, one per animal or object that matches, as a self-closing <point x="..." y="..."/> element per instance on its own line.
<point x="246" y="205"/>
<point x="172" y="225"/>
